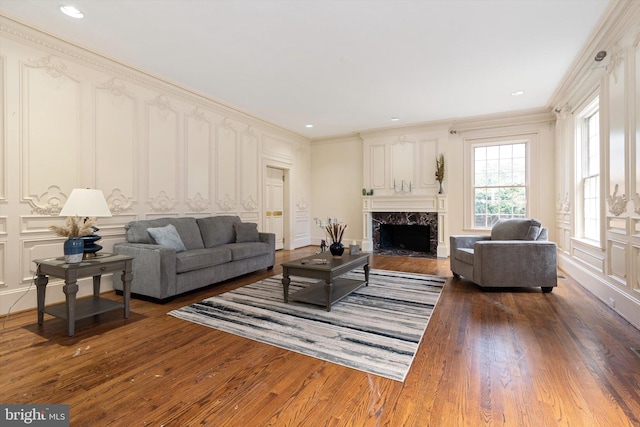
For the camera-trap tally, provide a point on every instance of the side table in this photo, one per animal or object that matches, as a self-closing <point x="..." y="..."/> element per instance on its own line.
<point x="84" y="307"/>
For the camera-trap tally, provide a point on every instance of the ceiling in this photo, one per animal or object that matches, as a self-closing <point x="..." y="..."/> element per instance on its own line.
<point x="343" y="66"/>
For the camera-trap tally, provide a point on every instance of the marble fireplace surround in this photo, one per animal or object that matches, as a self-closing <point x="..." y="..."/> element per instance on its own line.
<point x="430" y="211"/>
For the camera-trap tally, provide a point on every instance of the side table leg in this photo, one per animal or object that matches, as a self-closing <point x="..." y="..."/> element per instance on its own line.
<point x="70" y="290"/>
<point x="96" y="286"/>
<point x="126" y="287"/>
<point x="41" y="285"/>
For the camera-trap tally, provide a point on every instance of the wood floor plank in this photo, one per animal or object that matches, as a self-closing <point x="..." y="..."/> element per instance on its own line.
<point x="488" y="358"/>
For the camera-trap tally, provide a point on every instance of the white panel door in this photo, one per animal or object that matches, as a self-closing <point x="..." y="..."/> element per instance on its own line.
<point x="274" y="206"/>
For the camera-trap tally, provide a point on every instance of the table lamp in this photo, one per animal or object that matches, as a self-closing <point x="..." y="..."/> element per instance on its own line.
<point x="87" y="202"/>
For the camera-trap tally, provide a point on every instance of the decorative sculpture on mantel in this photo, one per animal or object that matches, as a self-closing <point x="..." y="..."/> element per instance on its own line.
<point x="617" y="204"/>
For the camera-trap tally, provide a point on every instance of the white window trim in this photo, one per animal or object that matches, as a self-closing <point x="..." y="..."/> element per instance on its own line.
<point x="585" y="110"/>
<point x="469" y="169"/>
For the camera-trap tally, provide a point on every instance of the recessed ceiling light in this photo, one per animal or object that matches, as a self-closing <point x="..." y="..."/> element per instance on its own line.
<point x="517" y="93"/>
<point x="71" y="11"/>
<point x="395" y="119"/>
<point x="308" y="126"/>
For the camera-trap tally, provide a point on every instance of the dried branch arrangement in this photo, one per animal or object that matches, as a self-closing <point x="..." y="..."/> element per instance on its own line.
<point x="335" y="231"/>
<point x="75" y="227"/>
<point x="440" y="168"/>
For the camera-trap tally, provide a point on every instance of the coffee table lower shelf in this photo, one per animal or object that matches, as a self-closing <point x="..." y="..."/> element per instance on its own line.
<point x="317" y="293"/>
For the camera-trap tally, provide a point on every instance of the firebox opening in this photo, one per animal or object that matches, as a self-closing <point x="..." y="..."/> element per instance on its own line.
<point x="407" y="237"/>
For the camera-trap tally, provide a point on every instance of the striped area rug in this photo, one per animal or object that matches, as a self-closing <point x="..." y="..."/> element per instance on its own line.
<point x="377" y="329"/>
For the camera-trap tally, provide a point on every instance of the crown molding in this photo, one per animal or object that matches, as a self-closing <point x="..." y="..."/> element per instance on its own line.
<point x="14" y="28"/>
<point x="620" y="16"/>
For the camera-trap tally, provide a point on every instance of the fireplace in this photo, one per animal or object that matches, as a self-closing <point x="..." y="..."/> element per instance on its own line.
<point x="428" y="211"/>
<point x="405" y="233"/>
<point x="412" y="237"/>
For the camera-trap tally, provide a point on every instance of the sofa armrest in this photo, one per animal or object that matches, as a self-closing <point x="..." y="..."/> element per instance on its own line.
<point x="154" y="269"/>
<point x="270" y="238"/>
<point x="465" y="241"/>
<point x="515" y="263"/>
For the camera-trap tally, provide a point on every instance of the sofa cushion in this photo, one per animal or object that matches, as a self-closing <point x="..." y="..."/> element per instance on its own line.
<point x="201" y="258"/>
<point x="167" y="236"/>
<point x="217" y="230"/>
<point x="246" y="232"/>
<point x="247" y="250"/>
<point x="465" y="255"/>
<point x="186" y="226"/>
<point x="516" y="229"/>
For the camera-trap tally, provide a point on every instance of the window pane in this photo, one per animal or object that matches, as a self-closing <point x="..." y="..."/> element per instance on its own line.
<point x="590" y="153"/>
<point x="499" y="182"/>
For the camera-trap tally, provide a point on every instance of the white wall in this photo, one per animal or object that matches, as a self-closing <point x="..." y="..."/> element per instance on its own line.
<point x="336" y="182"/>
<point x="71" y="118"/>
<point x="611" y="269"/>
<point x="429" y="140"/>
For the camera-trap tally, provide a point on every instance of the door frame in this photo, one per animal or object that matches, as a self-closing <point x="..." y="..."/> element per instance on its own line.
<point x="288" y="230"/>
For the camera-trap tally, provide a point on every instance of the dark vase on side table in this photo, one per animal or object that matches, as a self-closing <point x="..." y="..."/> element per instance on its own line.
<point x="336" y="249"/>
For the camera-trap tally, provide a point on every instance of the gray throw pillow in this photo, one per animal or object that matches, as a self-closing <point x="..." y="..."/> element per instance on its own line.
<point x="534" y="230"/>
<point x="167" y="236"/>
<point x="246" y="232"/>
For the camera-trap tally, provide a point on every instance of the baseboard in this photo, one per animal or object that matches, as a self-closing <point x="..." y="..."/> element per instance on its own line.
<point x="626" y="305"/>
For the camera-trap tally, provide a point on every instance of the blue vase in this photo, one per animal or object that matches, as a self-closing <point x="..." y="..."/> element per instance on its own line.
<point x="73" y="249"/>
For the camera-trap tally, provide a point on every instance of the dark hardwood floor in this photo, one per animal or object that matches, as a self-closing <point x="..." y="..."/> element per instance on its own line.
<point x="508" y="357"/>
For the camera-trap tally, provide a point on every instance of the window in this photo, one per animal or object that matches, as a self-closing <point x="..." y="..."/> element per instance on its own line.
<point x="589" y="175"/>
<point x="499" y="182"/>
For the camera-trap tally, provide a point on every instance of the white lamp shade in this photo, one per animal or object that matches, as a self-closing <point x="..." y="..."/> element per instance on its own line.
<point x="86" y="202"/>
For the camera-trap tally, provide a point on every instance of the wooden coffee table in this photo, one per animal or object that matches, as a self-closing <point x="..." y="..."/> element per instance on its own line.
<point x="327" y="268"/>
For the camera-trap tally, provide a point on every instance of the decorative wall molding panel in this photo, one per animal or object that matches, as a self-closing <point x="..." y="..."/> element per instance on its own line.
<point x="118" y="202"/>
<point x="3" y="283"/>
<point x="154" y="148"/>
<point x="609" y="268"/>
<point x="617" y="203"/>
<point x="48" y="203"/>
<point x="3" y="121"/>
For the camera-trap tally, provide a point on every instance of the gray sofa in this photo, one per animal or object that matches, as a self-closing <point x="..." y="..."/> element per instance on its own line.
<point x="516" y="254"/>
<point x="204" y="251"/>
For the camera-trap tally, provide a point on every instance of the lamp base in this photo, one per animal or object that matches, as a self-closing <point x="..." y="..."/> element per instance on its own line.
<point x="90" y="246"/>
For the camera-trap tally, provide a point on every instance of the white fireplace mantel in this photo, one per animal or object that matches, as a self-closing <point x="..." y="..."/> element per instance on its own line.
<point x="437" y="203"/>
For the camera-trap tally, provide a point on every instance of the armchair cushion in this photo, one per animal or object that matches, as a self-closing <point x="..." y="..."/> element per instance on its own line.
<point x="516" y="229"/>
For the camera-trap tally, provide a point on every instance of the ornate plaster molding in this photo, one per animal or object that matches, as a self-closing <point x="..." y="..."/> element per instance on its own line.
<point x="48" y="203"/>
<point x="198" y="203"/>
<point x="402" y="139"/>
<point x="54" y="66"/>
<point x="226" y="204"/>
<point x="250" y="204"/>
<point x="636" y="202"/>
<point x="617" y="57"/>
<point x="562" y="112"/>
<point x="302" y="205"/>
<point x="162" y="203"/>
<point x="617" y="204"/>
<point x="116" y="87"/>
<point x="564" y="206"/>
<point x="119" y="203"/>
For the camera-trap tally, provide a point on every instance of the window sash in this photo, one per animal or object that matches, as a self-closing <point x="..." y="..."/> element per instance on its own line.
<point x="499" y="182"/>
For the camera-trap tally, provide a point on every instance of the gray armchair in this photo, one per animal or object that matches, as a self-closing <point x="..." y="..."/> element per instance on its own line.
<point x="516" y="254"/>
